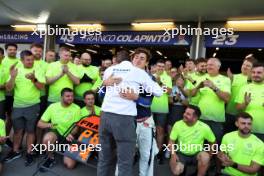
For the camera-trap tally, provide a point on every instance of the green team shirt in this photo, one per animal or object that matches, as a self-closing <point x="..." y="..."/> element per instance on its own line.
<point x="212" y="107"/>
<point x="2" y="130"/>
<point x="55" y="69"/>
<point x="3" y="80"/>
<point x="191" y="136"/>
<point x="8" y="62"/>
<point x="25" y="92"/>
<point x="86" y="112"/>
<point x="192" y="75"/>
<point x="189" y="86"/>
<point x="244" y="150"/>
<point x="42" y="65"/>
<point x="239" y="80"/>
<point x="63" y="117"/>
<point x="91" y="72"/>
<point x="256" y="105"/>
<point x="161" y="104"/>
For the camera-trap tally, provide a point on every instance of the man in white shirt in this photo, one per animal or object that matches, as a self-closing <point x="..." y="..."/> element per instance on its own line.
<point x="117" y="132"/>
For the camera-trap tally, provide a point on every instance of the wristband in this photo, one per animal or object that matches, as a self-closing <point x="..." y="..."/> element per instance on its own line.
<point x="215" y="89"/>
<point x="34" y="80"/>
<point x="235" y="165"/>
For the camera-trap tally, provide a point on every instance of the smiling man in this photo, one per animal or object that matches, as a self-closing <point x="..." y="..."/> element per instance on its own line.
<point x="251" y="99"/>
<point x="247" y="154"/>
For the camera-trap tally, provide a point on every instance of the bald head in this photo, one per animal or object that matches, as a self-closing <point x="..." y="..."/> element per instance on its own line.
<point x="86" y="59"/>
<point x="213" y="66"/>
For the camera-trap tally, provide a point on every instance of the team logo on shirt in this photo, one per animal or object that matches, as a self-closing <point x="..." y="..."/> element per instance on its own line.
<point x="119" y="70"/>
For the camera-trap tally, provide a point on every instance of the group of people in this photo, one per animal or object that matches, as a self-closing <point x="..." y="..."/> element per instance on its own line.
<point x="152" y="108"/>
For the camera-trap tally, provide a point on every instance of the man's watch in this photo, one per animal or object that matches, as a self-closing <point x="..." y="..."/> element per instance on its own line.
<point x="35" y="80"/>
<point x="235" y="165"/>
<point x="215" y="89"/>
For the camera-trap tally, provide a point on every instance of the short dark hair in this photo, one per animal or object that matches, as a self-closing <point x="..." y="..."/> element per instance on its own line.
<point x="51" y="50"/>
<point x="142" y="50"/>
<point x="37" y="45"/>
<point x="200" y="60"/>
<point x="25" y="53"/>
<point x="2" y="51"/>
<point x="122" y="55"/>
<point x="10" y="44"/>
<point x="258" y="64"/>
<point x="160" y="61"/>
<point x="190" y="60"/>
<point x="88" y="92"/>
<point x="107" y="59"/>
<point x="251" y="59"/>
<point x="196" y="109"/>
<point x="66" y="90"/>
<point x="244" y="115"/>
<point x="178" y="76"/>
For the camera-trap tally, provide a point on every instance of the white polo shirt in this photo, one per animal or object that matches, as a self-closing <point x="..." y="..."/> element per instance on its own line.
<point x="133" y="78"/>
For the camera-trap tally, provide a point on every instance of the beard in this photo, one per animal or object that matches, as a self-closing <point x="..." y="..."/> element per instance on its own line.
<point x="12" y="55"/>
<point x="67" y="103"/>
<point x="86" y="65"/>
<point x="257" y="79"/>
<point x="37" y="56"/>
<point x="245" y="131"/>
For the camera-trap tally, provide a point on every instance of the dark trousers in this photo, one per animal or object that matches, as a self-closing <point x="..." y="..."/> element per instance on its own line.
<point x="117" y="136"/>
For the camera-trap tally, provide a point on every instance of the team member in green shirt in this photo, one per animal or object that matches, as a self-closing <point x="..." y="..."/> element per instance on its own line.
<point x="2" y="86"/>
<point x="50" y="56"/>
<point x="189" y="135"/>
<point x="26" y="81"/>
<point x="58" y="118"/>
<point x="246" y="154"/>
<point x="160" y="105"/>
<point x="2" y="140"/>
<point x="89" y="75"/>
<point x="238" y="81"/>
<point x="61" y="74"/>
<point x="199" y="76"/>
<point x="9" y="60"/>
<point x="189" y="68"/>
<point x="41" y="65"/>
<point x="251" y="99"/>
<point x="90" y="108"/>
<point x="214" y="93"/>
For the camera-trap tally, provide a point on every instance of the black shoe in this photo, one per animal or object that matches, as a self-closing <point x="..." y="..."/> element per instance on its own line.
<point x="29" y="161"/>
<point x="49" y="163"/>
<point x="12" y="156"/>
